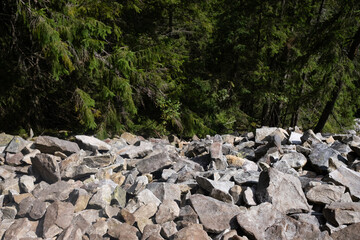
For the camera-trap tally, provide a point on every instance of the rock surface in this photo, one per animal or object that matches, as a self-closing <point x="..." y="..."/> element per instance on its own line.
<point x="274" y="184"/>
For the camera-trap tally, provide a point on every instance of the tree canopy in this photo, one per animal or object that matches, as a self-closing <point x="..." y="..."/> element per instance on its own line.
<point x="186" y="67"/>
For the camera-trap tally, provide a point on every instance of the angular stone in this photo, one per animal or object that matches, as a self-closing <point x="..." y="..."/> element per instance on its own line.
<point x="235" y="161"/>
<point x="120" y="230"/>
<point x="283" y="191"/>
<point x="5" y="224"/>
<point x="208" y="208"/>
<point x="350" y="232"/>
<point x="325" y="194"/>
<point x="127" y="216"/>
<point x="56" y="191"/>
<point x="19" y="229"/>
<point x="27" y="183"/>
<point x="295" y="160"/>
<point x="145" y="212"/>
<point x="165" y="191"/>
<point x="168" y="229"/>
<point x="168" y="211"/>
<point x="146" y="197"/>
<point x="18" y="198"/>
<point x="250" y="177"/>
<point x="76" y="230"/>
<point x="14" y="159"/>
<point x="79" y="198"/>
<point x="249" y="196"/>
<point x="295" y="138"/>
<point x="91" y="215"/>
<point x="98" y="161"/>
<point x="152" y="230"/>
<point x="209" y="185"/>
<point x="16" y="145"/>
<point x="46" y="165"/>
<point x="91" y="143"/>
<point x="339" y="213"/>
<point x="131" y="139"/>
<point x="262" y="133"/>
<point x="154" y="163"/>
<point x="38" y="209"/>
<point x="8" y="185"/>
<point x="284" y="167"/>
<point x="139" y="151"/>
<point x="25" y="206"/>
<point x="347" y="178"/>
<point x="100" y="228"/>
<point x="8" y="212"/>
<point x="47" y="144"/>
<point x="320" y="155"/>
<point x="191" y="232"/>
<point x="188" y="214"/>
<point x="5" y="139"/>
<point x="58" y="217"/>
<point x="102" y="197"/>
<point x="119" y="195"/>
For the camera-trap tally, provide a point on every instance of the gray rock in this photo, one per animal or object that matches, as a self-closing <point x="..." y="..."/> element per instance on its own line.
<point x="210" y="185"/>
<point x="295" y="138"/>
<point x="249" y="196"/>
<point x="339" y="213"/>
<point x="154" y="163"/>
<point x="8" y="185"/>
<point x="283" y="191"/>
<point x="136" y="151"/>
<point x="25" y="206"/>
<point x="348" y="178"/>
<point x="208" y="208"/>
<point x="120" y="230"/>
<point x="79" y="198"/>
<point x="188" y="214"/>
<point x="243" y="177"/>
<point x="19" y="229"/>
<point x="168" y="229"/>
<point x="350" y="232"/>
<point x="146" y="196"/>
<point x="284" y="167"/>
<point x="295" y="160"/>
<point x="27" y="183"/>
<point x="58" y="217"/>
<point x="168" y="211"/>
<point x="56" y="191"/>
<point x="262" y="133"/>
<point x="102" y="197"/>
<point x="152" y="232"/>
<point x="47" y="167"/>
<point x="98" y="161"/>
<point x="119" y="195"/>
<point x="14" y="159"/>
<point x="16" y="145"/>
<point x="325" y="194"/>
<point x="5" y="139"/>
<point x="320" y="155"/>
<point x="191" y="232"/>
<point x="100" y="228"/>
<point x="91" y="143"/>
<point x="47" y="144"/>
<point x="8" y="212"/>
<point x="38" y="209"/>
<point x="165" y="191"/>
<point x="72" y="167"/>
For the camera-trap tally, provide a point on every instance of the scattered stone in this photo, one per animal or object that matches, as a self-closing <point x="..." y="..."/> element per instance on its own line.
<point x="295" y="160"/>
<point x="151" y="232"/>
<point x="283" y="191"/>
<point x="168" y="229"/>
<point x="27" y="183"/>
<point x="208" y="208"/>
<point x="120" y="230"/>
<point x="47" y="166"/>
<point x="102" y="197"/>
<point x="38" y="209"/>
<point x="58" y="217"/>
<point x="320" y="156"/>
<point x="350" y="232"/>
<point x="339" y="213"/>
<point x="19" y="229"/>
<point x="325" y="194"/>
<point x="16" y="145"/>
<point x="153" y="163"/>
<point x="168" y="211"/>
<point x="92" y="144"/>
<point x="47" y="144"/>
<point x="191" y="232"/>
<point x="347" y="178"/>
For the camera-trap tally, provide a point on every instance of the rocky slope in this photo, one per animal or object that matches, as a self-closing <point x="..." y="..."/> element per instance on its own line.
<point x="273" y="184"/>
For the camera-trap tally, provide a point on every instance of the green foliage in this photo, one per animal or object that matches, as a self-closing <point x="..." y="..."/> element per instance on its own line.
<point x="171" y="66"/>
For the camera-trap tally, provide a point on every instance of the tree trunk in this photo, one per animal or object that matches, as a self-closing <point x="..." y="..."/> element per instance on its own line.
<point x="329" y="107"/>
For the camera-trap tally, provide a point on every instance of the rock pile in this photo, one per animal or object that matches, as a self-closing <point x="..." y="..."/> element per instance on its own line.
<point x="273" y="184"/>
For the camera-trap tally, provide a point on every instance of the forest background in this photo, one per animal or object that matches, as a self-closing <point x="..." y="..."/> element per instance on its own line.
<point x="155" y="67"/>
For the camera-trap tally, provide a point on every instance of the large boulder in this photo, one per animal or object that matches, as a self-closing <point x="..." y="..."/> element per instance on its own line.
<point x="283" y="191"/>
<point x="92" y="143"/>
<point x="208" y="210"/>
<point x="47" y="144"/>
<point x="47" y="167"/>
<point x="348" y="178"/>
